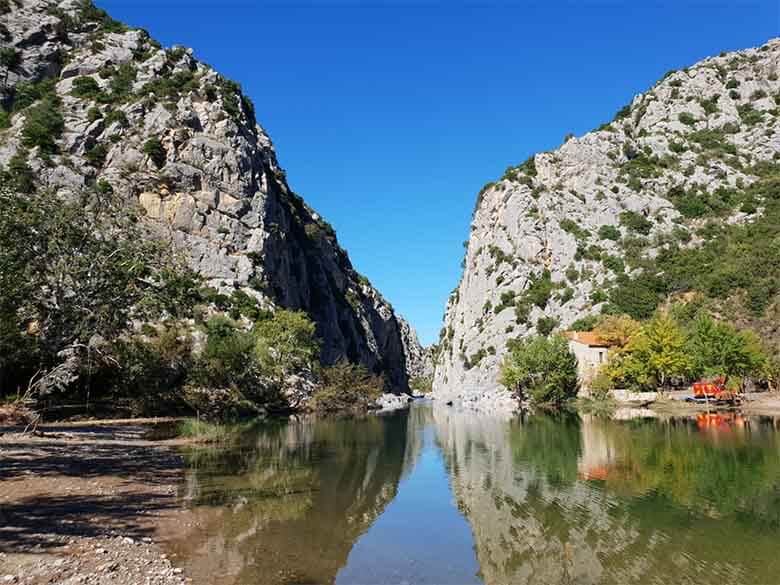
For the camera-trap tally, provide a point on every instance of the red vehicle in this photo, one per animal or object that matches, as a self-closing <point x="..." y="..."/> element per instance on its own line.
<point x="714" y="391"/>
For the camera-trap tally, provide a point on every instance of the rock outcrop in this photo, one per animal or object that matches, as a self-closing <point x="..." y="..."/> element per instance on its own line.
<point x="172" y="136"/>
<point x="550" y="239"/>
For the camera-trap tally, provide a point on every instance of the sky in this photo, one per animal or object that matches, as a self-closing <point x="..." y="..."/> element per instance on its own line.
<point x="389" y="115"/>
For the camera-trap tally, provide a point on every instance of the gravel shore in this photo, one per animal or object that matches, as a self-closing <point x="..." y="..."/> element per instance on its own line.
<point x="83" y="504"/>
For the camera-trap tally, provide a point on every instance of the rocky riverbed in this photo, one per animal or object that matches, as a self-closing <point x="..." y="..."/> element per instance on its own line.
<point x="85" y="504"/>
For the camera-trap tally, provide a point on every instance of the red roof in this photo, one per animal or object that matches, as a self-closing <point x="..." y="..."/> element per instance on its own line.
<point x="586" y="338"/>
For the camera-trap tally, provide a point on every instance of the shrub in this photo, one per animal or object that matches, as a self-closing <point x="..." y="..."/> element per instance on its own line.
<point x="542" y="369"/>
<point x="571" y="226"/>
<point x="286" y="343"/>
<point x="584" y="323"/>
<point x="636" y="222"/>
<point x="609" y="232"/>
<point x="614" y="264"/>
<point x="228" y="358"/>
<point x="758" y="94"/>
<point x="522" y="312"/>
<point x="749" y="115"/>
<point x="540" y="290"/>
<point x="153" y="148"/>
<point x="88" y="12"/>
<point x="346" y="387"/>
<point x="96" y="156"/>
<point x="10" y="58"/>
<point x="421" y="384"/>
<point x="94" y="114"/>
<point x="85" y="87"/>
<point x="116" y="116"/>
<point x="687" y="118"/>
<point x="598" y="296"/>
<point x="19" y="174"/>
<point x="121" y="83"/>
<point x="43" y="125"/>
<point x="26" y="94"/>
<point x="545" y="325"/>
<point x="710" y="106"/>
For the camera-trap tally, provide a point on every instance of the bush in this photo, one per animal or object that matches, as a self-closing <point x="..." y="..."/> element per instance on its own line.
<point x="286" y="343"/>
<point x="571" y="226"/>
<point x="116" y="116"/>
<point x="346" y="387"/>
<point x="228" y="359"/>
<point x="539" y="290"/>
<point x="153" y="148"/>
<point x="614" y="264"/>
<point x="96" y="156"/>
<point x="636" y="222"/>
<point x="585" y="323"/>
<point x="10" y="58"/>
<point x="26" y="94"/>
<point x="687" y="118"/>
<point x="43" y="125"/>
<point x="19" y="175"/>
<point x="541" y="369"/>
<point x="749" y="115"/>
<point x="121" y="83"/>
<point x="85" y="87"/>
<point x="422" y="384"/>
<point x="94" y="114"/>
<point x="609" y="232"/>
<point x="545" y="325"/>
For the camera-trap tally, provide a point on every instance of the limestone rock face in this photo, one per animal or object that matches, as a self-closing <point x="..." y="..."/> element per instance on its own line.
<point x="564" y="216"/>
<point x="180" y="143"/>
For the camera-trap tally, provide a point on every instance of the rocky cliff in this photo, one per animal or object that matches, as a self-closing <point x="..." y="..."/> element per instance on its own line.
<point x="605" y="221"/>
<point x="171" y="135"/>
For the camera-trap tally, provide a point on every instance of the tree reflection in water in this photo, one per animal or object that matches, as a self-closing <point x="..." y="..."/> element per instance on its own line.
<point x="287" y="500"/>
<point x="560" y="499"/>
<point x="549" y="499"/>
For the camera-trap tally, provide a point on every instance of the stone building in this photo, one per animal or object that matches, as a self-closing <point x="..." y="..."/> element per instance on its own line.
<point x="591" y="352"/>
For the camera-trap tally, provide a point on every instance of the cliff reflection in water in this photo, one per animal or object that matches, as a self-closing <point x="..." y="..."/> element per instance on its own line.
<point x="564" y="499"/>
<point x="542" y="499"/>
<point x="287" y="501"/>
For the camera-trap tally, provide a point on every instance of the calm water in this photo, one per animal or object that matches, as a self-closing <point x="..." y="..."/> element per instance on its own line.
<point x="434" y="495"/>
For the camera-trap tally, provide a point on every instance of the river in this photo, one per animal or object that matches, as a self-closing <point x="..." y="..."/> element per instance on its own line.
<point x="438" y="495"/>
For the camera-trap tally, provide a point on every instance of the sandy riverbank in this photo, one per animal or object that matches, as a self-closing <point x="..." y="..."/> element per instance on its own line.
<point x="84" y="503"/>
<point x="674" y="404"/>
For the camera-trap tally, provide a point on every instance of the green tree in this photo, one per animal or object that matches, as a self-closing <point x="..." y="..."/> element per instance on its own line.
<point x="542" y="369"/>
<point x="718" y="349"/>
<point x="654" y="355"/>
<point x="286" y="343"/>
<point x="345" y="387"/>
<point x="71" y="272"/>
<point x="228" y="359"/>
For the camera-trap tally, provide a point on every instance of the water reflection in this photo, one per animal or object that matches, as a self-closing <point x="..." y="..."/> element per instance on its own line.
<point x="287" y="502"/>
<point x="439" y="495"/>
<point x="567" y="499"/>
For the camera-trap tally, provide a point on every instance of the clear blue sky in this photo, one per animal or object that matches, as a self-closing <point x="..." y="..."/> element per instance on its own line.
<point x="390" y="115"/>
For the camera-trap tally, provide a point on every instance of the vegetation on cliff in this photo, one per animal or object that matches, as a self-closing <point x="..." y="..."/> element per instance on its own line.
<point x="679" y="346"/>
<point x="542" y="370"/>
<point x="94" y="310"/>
